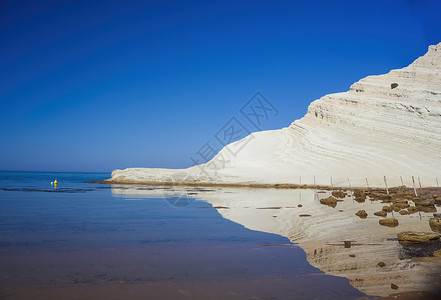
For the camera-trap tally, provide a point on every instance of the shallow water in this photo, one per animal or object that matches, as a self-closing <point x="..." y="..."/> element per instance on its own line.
<point x="89" y="241"/>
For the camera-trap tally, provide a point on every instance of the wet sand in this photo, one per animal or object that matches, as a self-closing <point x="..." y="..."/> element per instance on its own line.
<point x="166" y="272"/>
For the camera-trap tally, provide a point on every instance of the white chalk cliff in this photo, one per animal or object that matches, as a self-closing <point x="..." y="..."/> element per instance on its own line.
<point x="386" y="125"/>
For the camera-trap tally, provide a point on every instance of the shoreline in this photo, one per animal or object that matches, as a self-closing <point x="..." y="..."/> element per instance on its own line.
<point x="235" y="185"/>
<point x="260" y="185"/>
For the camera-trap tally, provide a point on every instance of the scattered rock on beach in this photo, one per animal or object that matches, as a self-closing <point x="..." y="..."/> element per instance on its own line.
<point x="339" y="194"/>
<point x="380" y="213"/>
<point x="390" y="222"/>
<point x="424" y="201"/>
<point x="403" y="212"/>
<point x="347" y="244"/>
<point x="362" y="214"/>
<point x="412" y="209"/>
<point x="437" y="253"/>
<point x="381" y="264"/>
<point x="379" y="196"/>
<point x="435" y="222"/>
<point x="394" y="207"/>
<point x="427" y="209"/>
<point x="359" y="196"/>
<point x="387" y="208"/>
<point x="417" y="237"/>
<point x="394" y="286"/>
<point x="401" y="201"/>
<point x="330" y="201"/>
<point x="299" y="205"/>
<point x="400" y="205"/>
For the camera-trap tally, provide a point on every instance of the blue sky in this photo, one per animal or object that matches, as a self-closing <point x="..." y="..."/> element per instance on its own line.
<point x="99" y="85"/>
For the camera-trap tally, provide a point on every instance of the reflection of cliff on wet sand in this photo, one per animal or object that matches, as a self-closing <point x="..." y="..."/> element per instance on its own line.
<point x="322" y="235"/>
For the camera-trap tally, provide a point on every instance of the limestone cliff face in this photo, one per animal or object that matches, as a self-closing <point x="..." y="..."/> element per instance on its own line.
<point x="385" y="125"/>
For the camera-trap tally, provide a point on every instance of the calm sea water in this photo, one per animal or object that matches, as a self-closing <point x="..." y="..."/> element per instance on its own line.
<point x="88" y="241"/>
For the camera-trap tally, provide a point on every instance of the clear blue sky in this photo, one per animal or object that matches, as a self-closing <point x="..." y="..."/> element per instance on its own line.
<point x="99" y="85"/>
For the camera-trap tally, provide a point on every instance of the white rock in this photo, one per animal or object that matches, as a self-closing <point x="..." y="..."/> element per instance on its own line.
<point x="385" y="125"/>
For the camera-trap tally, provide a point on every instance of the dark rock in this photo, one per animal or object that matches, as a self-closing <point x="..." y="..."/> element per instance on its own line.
<point x="380" y="213"/>
<point x="330" y="201"/>
<point x="412" y="209"/>
<point x="413" y="250"/>
<point x="387" y="208"/>
<point x="391" y="222"/>
<point x="347" y="244"/>
<point x="401" y="201"/>
<point x="403" y="212"/>
<point x="394" y="207"/>
<point x="339" y="194"/>
<point x="299" y="205"/>
<point x="424" y="201"/>
<point x="417" y="237"/>
<point x="393" y="85"/>
<point x="394" y="286"/>
<point x="381" y="264"/>
<point x="379" y="196"/>
<point x="359" y="196"/>
<point x="427" y="209"/>
<point x="362" y="214"/>
<point x="435" y="222"/>
<point x="400" y="205"/>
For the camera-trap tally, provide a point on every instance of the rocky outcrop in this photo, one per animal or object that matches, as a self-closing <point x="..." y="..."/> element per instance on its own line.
<point x="418" y="237"/>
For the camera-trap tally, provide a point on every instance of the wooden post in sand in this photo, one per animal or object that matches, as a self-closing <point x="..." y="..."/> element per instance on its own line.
<point x="300" y="180"/>
<point x="367" y="183"/>
<point x="414" y="188"/>
<point x="349" y="183"/>
<point x="419" y="181"/>
<point x="437" y="185"/>
<point x="331" y="183"/>
<point x="401" y="177"/>
<point x="385" y="183"/>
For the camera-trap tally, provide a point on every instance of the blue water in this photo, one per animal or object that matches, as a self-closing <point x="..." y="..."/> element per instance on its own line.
<point x="76" y="212"/>
<point x="79" y="226"/>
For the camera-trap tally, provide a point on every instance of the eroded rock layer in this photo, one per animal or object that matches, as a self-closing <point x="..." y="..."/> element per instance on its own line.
<point x="386" y="125"/>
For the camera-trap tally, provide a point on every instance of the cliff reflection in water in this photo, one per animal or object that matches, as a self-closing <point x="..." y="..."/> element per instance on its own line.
<point x="321" y="230"/>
